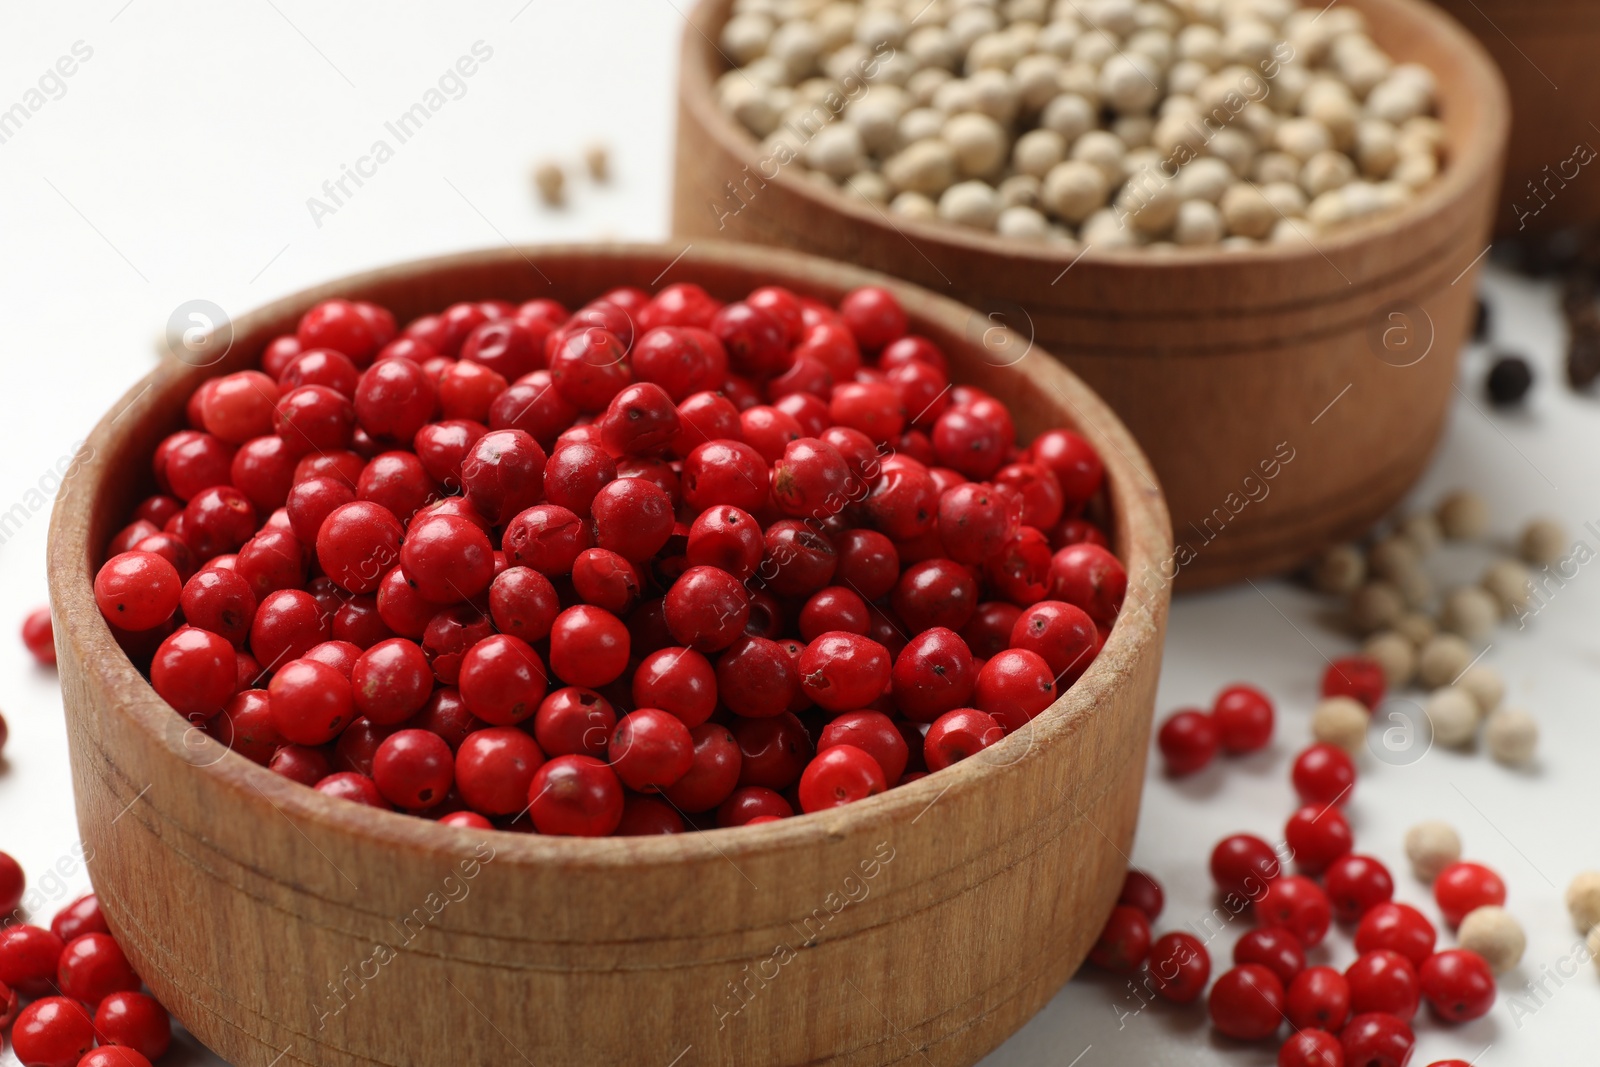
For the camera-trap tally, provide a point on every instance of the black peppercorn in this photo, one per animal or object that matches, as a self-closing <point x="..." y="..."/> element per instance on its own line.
<point x="1509" y="381"/>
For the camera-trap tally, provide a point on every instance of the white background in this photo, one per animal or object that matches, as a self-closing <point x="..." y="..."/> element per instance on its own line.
<point x="178" y="163"/>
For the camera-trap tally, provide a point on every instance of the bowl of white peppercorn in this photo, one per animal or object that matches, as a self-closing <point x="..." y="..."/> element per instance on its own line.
<point x="1252" y="225"/>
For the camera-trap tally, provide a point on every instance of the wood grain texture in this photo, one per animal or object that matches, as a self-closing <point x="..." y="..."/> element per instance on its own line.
<point x="920" y="926"/>
<point x="1217" y="362"/>
<point x="1546" y="50"/>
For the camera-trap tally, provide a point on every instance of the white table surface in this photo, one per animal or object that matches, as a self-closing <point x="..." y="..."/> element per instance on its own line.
<point x="177" y="165"/>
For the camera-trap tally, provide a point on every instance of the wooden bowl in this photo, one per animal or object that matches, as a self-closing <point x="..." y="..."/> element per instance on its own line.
<point x="1278" y="391"/>
<point x="924" y="924"/>
<point x="1546" y="50"/>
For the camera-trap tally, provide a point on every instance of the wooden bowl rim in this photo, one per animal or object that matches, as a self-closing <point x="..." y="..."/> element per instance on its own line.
<point x="1474" y="161"/>
<point x="83" y="633"/>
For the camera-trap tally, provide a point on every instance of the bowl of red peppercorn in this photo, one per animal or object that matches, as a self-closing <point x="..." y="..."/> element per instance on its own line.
<point x="594" y="654"/>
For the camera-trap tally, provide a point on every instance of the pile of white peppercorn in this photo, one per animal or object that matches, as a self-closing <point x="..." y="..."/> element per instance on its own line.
<point x="1113" y="123"/>
<point x="1421" y="638"/>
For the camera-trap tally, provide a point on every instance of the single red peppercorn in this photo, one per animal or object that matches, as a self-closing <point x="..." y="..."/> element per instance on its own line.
<point x="1383" y="981"/>
<point x="52" y="1032"/>
<point x="1188" y="740"/>
<point x="1324" y="774"/>
<point x="1319" y="997"/>
<point x="575" y="796"/>
<point x="1247" y="1003"/>
<point x="1298" y="905"/>
<point x="1124" y="941"/>
<point x="1359" y="677"/>
<point x="839" y="775"/>
<point x="1143" y="892"/>
<point x="1244" y="719"/>
<point x="1464" y="887"/>
<point x="413" y="769"/>
<point x="1317" y="835"/>
<point x="1355" y="885"/>
<point x="38" y="636"/>
<point x="1458" y="985"/>
<point x="1275" y="949"/>
<point x="1311" y="1048"/>
<point x="136" y="1021"/>
<point x="1376" y="1040"/>
<point x="1242" y="866"/>
<point x="92" y="967"/>
<point x="1399" y="928"/>
<point x="1179" y="966"/>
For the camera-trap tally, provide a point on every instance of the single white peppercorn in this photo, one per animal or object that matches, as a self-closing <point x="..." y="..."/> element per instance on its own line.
<point x="1199" y="223"/>
<point x="1235" y="147"/>
<point x="924" y="85"/>
<point x="1377" y="605"/>
<point x="1103" y="149"/>
<point x="926" y="167"/>
<point x="1150" y="201"/>
<point x="597" y="158"/>
<point x="1392" y="557"/>
<point x="1442" y="660"/>
<point x="1207" y="178"/>
<point x="1416" y="589"/>
<point x="1453" y="715"/>
<point x="995" y="94"/>
<point x="1417" y="628"/>
<point x="919" y="124"/>
<point x="914" y="206"/>
<point x="1395" y="654"/>
<point x="1020" y="190"/>
<point x="1070" y="115"/>
<point x="970" y="203"/>
<point x="1543" y="542"/>
<point x="1247" y="212"/>
<point x="1415" y="169"/>
<point x="836" y="151"/>
<point x="744" y="37"/>
<point x="1022" y="222"/>
<point x="1286" y="199"/>
<point x="1493" y="933"/>
<point x="798" y="46"/>
<point x="1136" y="131"/>
<point x="1037" y="151"/>
<point x="1106" y="228"/>
<point x="869" y="185"/>
<point x="1488" y="689"/>
<point x="1509" y="582"/>
<point x="1326" y="171"/>
<point x="1342" y="722"/>
<point x="979" y="144"/>
<point x="1583" y="900"/>
<point x="1075" y="190"/>
<point x="1303" y="138"/>
<point x="876" y="117"/>
<point x="1339" y="570"/>
<point x="1129" y="83"/>
<point x="1470" y="611"/>
<point x="1273" y="168"/>
<point x="1422" y="530"/>
<point x="1512" y="736"/>
<point x="1431" y="847"/>
<point x="1038" y="79"/>
<point x="1463" y="516"/>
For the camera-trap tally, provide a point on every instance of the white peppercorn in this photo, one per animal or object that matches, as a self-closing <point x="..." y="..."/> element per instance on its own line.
<point x="744" y="37"/>
<point x="1543" y="542"/>
<point x="1342" y="722"/>
<point x="1392" y="557"/>
<point x="1339" y="570"/>
<point x="1135" y="131"/>
<point x="1463" y="516"/>
<point x="1205" y="179"/>
<point x="1128" y="83"/>
<point x="836" y="151"/>
<point x="1442" y="660"/>
<point x="979" y="144"/>
<point x="1247" y="212"/>
<point x="994" y="94"/>
<point x="1186" y="75"/>
<point x="1431" y="847"/>
<point x="1198" y="223"/>
<point x="1272" y="168"/>
<point x="993" y="51"/>
<point x="1074" y="190"/>
<point x="1104" y="150"/>
<point x="881" y="26"/>
<point x="1020" y="190"/>
<point x="1326" y="171"/>
<point x="919" y="124"/>
<point x="870" y="186"/>
<point x="1417" y="628"/>
<point x="1236" y="147"/>
<point x="1037" y="151"/>
<point x="1509" y="582"/>
<point x="1395" y="654"/>
<point x="1511" y="735"/>
<point x="970" y="203"/>
<point x="1488" y="689"/>
<point x="1106" y="229"/>
<point x="926" y="167"/>
<point x="1453" y="715"/>
<point x="1377" y="605"/>
<point x="1302" y="138"/>
<point x="1469" y="611"/>
<point x="798" y="46"/>
<point x="1150" y="201"/>
<point x="1583" y="900"/>
<point x="1038" y="79"/>
<point x="1416" y="588"/>
<point x="1415" y="169"/>
<point x="914" y="206"/>
<point x="1493" y="933"/>
<point x="925" y="83"/>
<point x="551" y="181"/>
<point x="1023" y="222"/>
<point x="1070" y="115"/>
<point x="1286" y="199"/>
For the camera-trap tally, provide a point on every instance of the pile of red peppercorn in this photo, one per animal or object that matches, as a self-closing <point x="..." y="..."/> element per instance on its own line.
<point x="659" y="563"/>
<point x="84" y="990"/>
<point x="1358" y="1018"/>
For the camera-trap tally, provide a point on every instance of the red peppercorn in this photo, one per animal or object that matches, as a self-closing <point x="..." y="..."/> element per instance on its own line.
<point x="1273" y="948"/>
<point x="1124" y="941"/>
<point x="588" y="646"/>
<point x="310" y="702"/>
<point x="502" y="679"/>
<point x="1319" y="997"/>
<point x="413" y="769"/>
<point x="1179" y="967"/>
<point x="1398" y="928"/>
<point x="1355" y="885"/>
<point x="1464" y="887"/>
<point x="1317" y="836"/>
<point x="1324" y="774"/>
<point x="679" y="681"/>
<point x="137" y="590"/>
<point x="220" y="601"/>
<point x="195" y="671"/>
<point x="838" y="775"/>
<point x="874" y="733"/>
<point x="574" y="722"/>
<point x="1376" y="1040"/>
<point x="575" y="796"/>
<point x="92" y="967"/>
<point x="959" y="734"/>
<point x="38" y="635"/>
<point x="1142" y="891"/>
<point x="756" y="678"/>
<point x="1458" y="985"/>
<point x="650" y="750"/>
<point x="1247" y="1003"/>
<point x="1383" y="981"/>
<point x="1188" y="740"/>
<point x="1014" y="686"/>
<point x="932" y="675"/>
<point x="28" y="958"/>
<point x="52" y="1032"/>
<point x="1298" y="905"/>
<point x="841" y="671"/>
<point x="1244" y="719"/>
<point x="1359" y="677"/>
<point x="1242" y="866"/>
<point x="135" y="1021"/>
<point x="82" y="916"/>
<point x="1073" y="461"/>
<point x="1090" y="577"/>
<point x="13" y="882"/>
<point x="523" y="603"/>
<point x="1311" y="1048"/>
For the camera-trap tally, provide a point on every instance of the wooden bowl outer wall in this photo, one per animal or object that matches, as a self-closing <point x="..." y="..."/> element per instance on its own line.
<point x="1217" y="361"/>
<point x="1546" y="50"/>
<point x="245" y="899"/>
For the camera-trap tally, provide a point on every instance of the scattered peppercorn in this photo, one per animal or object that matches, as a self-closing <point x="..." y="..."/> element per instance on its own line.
<point x="1509" y="381"/>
